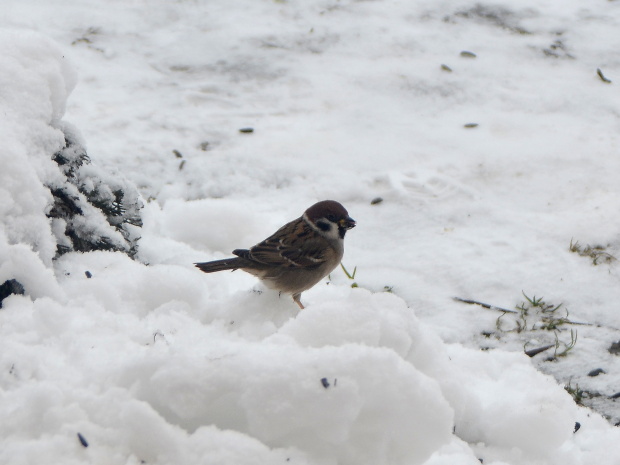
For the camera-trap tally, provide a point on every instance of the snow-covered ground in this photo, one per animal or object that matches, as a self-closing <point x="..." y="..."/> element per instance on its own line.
<point x="489" y="164"/>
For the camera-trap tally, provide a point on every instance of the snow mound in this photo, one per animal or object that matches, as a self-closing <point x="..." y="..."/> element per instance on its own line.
<point x="46" y="173"/>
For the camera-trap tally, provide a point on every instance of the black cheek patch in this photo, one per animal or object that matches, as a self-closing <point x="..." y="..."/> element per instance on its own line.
<point x="342" y="232"/>
<point x="323" y="226"/>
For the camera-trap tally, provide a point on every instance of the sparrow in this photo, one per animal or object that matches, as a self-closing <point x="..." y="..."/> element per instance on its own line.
<point x="296" y="256"/>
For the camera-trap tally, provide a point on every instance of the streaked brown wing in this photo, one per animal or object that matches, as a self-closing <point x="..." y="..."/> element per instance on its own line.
<point x="293" y="245"/>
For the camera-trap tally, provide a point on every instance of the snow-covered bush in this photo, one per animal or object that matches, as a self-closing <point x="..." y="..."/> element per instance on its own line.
<point x="52" y="199"/>
<point x="98" y="211"/>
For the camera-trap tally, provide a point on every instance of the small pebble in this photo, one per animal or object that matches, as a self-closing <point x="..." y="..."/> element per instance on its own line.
<point x="470" y="125"/>
<point x="177" y="153"/>
<point x="614" y="348"/>
<point x="181" y="165"/>
<point x="615" y="396"/>
<point x="204" y="145"/>
<point x="446" y="68"/>
<point x="577" y="426"/>
<point x="597" y="372"/>
<point x="376" y="200"/>
<point x="246" y="130"/>
<point x="325" y="383"/>
<point x="88" y="274"/>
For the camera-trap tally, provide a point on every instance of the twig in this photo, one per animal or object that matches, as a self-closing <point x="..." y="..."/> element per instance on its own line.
<point x="602" y="76"/>
<point x="532" y="352"/>
<point x="482" y="304"/>
<point x="505" y="310"/>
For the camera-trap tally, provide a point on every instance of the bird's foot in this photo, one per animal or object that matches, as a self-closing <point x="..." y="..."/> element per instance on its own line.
<point x="297" y="299"/>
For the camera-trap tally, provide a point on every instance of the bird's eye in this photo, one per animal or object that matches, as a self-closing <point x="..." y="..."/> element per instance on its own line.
<point x="331" y="218"/>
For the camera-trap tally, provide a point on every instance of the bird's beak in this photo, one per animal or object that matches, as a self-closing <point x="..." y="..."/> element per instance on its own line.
<point x="347" y="223"/>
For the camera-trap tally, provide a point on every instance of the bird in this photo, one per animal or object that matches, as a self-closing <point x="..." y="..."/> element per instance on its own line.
<point x="296" y="256"/>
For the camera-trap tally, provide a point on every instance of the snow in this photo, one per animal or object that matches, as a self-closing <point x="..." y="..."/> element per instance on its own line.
<point x="151" y="361"/>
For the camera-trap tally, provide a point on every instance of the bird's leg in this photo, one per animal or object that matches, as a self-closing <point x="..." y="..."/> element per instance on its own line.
<point x="297" y="299"/>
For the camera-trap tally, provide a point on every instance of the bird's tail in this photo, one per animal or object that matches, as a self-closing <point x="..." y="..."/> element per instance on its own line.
<point x="221" y="265"/>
